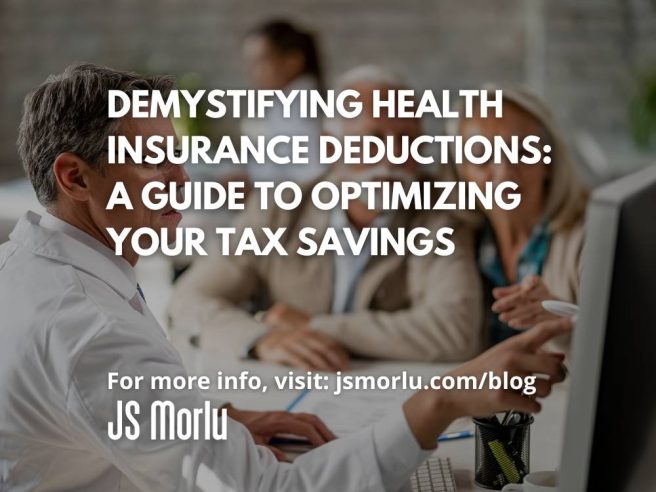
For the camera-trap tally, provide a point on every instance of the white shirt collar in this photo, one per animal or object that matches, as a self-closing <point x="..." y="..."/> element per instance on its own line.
<point x="56" y="224"/>
<point x="53" y="238"/>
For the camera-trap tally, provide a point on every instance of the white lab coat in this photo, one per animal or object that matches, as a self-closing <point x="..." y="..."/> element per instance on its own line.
<point x="70" y="313"/>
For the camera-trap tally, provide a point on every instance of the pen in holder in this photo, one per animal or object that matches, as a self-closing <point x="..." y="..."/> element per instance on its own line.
<point x="502" y="450"/>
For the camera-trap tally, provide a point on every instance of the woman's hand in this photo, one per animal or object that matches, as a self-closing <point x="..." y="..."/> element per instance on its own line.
<point x="282" y="316"/>
<point x="520" y="305"/>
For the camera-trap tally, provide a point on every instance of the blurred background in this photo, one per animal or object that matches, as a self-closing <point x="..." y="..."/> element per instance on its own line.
<point x="593" y="60"/>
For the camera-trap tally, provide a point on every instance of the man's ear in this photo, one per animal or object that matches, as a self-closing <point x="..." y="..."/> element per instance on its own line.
<point x="72" y="175"/>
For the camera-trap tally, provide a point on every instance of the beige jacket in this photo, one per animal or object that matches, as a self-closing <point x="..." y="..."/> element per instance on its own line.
<point x="415" y="308"/>
<point x="562" y="268"/>
<point x="561" y="273"/>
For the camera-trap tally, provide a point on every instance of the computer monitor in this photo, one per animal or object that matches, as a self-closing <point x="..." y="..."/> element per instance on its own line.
<point x="610" y="430"/>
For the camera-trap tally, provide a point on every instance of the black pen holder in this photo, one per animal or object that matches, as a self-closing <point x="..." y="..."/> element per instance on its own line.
<point x="502" y="452"/>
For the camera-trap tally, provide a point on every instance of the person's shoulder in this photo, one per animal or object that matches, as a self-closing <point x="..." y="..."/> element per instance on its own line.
<point x="81" y="301"/>
<point x="7" y="251"/>
<point x="50" y="316"/>
<point x="55" y="301"/>
<point x="44" y="281"/>
<point x="99" y="328"/>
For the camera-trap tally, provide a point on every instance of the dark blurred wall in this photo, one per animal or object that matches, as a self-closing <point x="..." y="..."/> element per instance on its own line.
<point x="580" y="53"/>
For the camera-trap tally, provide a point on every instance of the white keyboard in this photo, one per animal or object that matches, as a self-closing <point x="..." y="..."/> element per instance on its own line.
<point x="434" y="475"/>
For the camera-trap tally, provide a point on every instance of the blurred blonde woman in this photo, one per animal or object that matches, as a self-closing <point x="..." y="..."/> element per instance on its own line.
<point x="531" y="253"/>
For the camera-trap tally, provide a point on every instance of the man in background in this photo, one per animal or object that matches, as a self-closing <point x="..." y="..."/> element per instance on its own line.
<point x="319" y="310"/>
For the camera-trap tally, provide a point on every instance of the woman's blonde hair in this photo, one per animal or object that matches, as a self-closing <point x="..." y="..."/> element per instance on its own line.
<point x="567" y="195"/>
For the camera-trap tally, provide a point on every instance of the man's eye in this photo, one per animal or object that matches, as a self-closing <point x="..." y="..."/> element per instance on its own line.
<point x="177" y="153"/>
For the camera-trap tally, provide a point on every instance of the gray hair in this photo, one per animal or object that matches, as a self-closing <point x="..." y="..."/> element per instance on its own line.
<point x="375" y="74"/>
<point x="365" y="74"/>
<point x="69" y="113"/>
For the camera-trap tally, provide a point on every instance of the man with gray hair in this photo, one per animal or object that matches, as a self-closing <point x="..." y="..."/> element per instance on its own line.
<point x="322" y="309"/>
<point x="76" y="304"/>
<point x="75" y="322"/>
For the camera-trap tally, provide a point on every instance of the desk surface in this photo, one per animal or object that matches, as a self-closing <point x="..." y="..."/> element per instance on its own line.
<point x="546" y="433"/>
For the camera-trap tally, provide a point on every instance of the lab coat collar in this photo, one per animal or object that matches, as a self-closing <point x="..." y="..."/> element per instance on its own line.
<point x="53" y="238"/>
